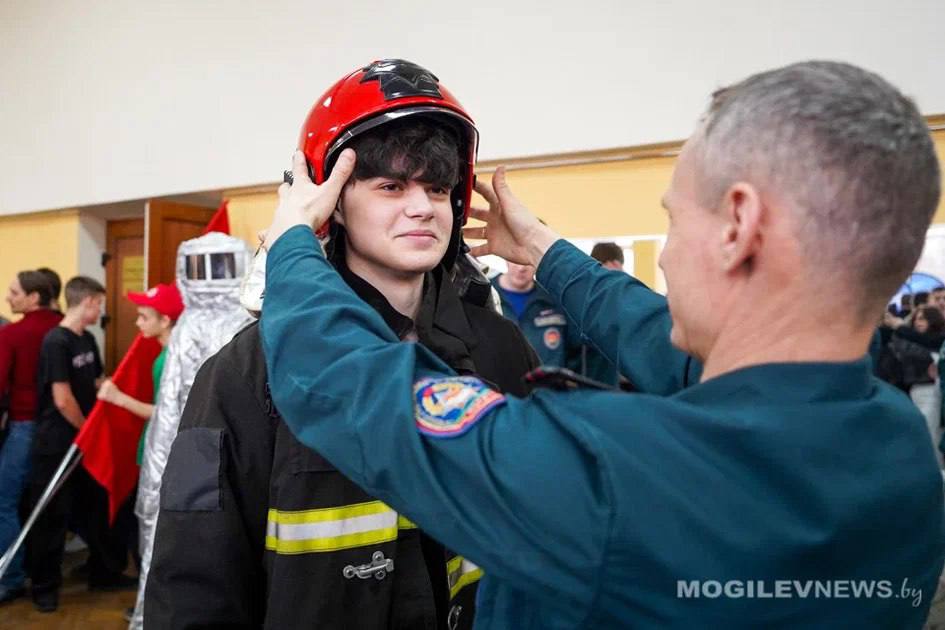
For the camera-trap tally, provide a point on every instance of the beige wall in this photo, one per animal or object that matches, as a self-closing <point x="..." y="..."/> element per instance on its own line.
<point x="618" y="198"/>
<point x="49" y="239"/>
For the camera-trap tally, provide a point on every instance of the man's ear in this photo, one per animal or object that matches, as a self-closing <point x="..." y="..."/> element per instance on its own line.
<point x="166" y="322"/>
<point x="743" y="212"/>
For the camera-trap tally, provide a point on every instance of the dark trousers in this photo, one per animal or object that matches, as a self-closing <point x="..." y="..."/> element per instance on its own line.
<point x="87" y="502"/>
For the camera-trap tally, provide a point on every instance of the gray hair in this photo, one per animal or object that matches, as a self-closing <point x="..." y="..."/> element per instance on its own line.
<point x="850" y="155"/>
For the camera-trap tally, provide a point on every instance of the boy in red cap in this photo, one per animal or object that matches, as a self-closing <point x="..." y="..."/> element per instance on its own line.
<point x="158" y="309"/>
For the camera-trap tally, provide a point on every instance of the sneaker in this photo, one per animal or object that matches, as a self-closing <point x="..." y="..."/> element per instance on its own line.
<point x="9" y="594"/>
<point x="46" y="601"/>
<point x="75" y="544"/>
<point x="118" y="582"/>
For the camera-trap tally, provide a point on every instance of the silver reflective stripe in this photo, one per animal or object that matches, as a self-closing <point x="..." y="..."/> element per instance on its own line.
<point x="332" y="529"/>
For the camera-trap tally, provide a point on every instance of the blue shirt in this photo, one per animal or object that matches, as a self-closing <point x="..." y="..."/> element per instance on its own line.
<point x="517" y="300"/>
<point x="600" y="509"/>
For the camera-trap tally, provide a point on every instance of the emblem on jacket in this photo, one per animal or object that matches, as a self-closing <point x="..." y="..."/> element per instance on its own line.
<point x="399" y="78"/>
<point x="447" y="407"/>
<point x="552" y="338"/>
<point x="554" y="319"/>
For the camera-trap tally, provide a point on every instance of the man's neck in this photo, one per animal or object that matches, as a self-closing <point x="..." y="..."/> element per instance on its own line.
<point x="504" y="283"/>
<point x="787" y="329"/>
<point x="403" y="291"/>
<point x="164" y="337"/>
<point x="73" y="321"/>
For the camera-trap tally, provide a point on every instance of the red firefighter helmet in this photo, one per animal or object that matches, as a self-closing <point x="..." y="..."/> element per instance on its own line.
<point x="384" y="91"/>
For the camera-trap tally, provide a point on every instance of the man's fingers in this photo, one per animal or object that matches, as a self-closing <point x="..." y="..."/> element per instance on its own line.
<point x="340" y="174"/>
<point x="475" y="233"/>
<point x="299" y="168"/>
<point x="502" y="190"/>
<point x="480" y="214"/>
<point x="486" y="191"/>
<point x="480" y="250"/>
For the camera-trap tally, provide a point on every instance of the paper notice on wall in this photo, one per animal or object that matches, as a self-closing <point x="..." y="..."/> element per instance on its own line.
<point x="132" y="274"/>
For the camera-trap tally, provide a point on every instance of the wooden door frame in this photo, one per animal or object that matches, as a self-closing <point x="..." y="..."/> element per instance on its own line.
<point x="114" y="230"/>
<point x="154" y="240"/>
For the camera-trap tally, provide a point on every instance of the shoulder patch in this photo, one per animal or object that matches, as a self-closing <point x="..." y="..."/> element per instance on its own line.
<point x="448" y="407"/>
<point x="551" y="338"/>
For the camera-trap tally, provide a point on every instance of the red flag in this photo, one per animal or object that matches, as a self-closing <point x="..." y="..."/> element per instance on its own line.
<point x="109" y="438"/>
<point x="220" y="221"/>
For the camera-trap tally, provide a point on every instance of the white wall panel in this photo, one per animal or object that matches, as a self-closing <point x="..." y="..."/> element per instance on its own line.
<point x="106" y="101"/>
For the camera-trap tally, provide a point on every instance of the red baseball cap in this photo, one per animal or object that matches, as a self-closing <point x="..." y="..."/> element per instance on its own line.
<point x="164" y="298"/>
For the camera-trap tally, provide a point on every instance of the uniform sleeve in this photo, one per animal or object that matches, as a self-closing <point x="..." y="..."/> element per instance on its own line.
<point x="619" y="316"/>
<point x="489" y="481"/>
<point x="206" y="569"/>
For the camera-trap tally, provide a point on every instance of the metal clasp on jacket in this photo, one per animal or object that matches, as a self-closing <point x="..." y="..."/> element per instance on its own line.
<point x="378" y="568"/>
<point x="452" y="621"/>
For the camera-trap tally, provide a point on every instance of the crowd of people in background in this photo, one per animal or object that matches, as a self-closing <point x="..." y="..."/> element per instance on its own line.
<point x="908" y="353"/>
<point x="51" y="375"/>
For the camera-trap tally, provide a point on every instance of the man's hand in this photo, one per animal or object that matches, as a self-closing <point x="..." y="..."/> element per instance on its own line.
<point x="304" y="203"/>
<point x="511" y="231"/>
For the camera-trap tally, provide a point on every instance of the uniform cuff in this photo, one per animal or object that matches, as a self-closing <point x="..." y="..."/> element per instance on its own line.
<point x="295" y="237"/>
<point x="559" y="265"/>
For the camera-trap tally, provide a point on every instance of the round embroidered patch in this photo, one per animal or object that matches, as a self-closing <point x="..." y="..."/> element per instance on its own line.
<point x="447" y="407"/>
<point x="552" y="338"/>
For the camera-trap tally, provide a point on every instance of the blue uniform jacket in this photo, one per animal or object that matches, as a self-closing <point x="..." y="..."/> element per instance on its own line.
<point x="545" y="325"/>
<point x="605" y="510"/>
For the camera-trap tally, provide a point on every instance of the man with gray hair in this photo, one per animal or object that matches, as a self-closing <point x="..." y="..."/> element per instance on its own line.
<point x="787" y="488"/>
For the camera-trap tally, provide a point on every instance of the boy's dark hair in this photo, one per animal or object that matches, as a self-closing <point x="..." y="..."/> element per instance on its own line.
<point x="935" y="319"/>
<point x="36" y="282"/>
<point x="605" y="252"/>
<point x="409" y="148"/>
<point x="920" y="298"/>
<point x="54" y="281"/>
<point x="81" y="287"/>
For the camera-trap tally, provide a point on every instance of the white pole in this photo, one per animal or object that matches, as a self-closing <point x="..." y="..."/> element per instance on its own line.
<point x="62" y="474"/>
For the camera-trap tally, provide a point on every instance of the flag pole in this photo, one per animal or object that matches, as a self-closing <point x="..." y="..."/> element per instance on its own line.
<point x="62" y="474"/>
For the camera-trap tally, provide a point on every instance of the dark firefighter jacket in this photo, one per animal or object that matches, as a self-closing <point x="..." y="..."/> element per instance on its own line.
<point x="257" y="530"/>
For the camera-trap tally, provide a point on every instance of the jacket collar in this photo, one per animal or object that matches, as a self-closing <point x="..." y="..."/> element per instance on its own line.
<point x="441" y="324"/>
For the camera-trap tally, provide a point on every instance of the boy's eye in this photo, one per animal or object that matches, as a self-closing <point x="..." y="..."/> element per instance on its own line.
<point x="440" y="190"/>
<point x="390" y="186"/>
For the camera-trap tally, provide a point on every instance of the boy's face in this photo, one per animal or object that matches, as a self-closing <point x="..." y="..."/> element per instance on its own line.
<point x="91" y="309"/>
<point x="150" y="322"/>
<point x="394" y="225"/>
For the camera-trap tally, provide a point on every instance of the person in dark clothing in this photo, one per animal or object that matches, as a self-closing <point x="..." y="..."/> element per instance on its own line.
<point x="907" y="354"/>
<point x="70" y="369"/>
<point x="256" y="529"/>
<point x="31" y="296"/>
<point x="539" y="317"/>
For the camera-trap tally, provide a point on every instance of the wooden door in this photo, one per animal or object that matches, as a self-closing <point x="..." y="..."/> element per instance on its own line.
<point x="124" y="271"/>
<point x="169" y="224"/>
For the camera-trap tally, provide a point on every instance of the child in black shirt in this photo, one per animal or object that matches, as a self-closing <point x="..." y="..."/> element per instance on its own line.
<point x="70" y="370"/>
